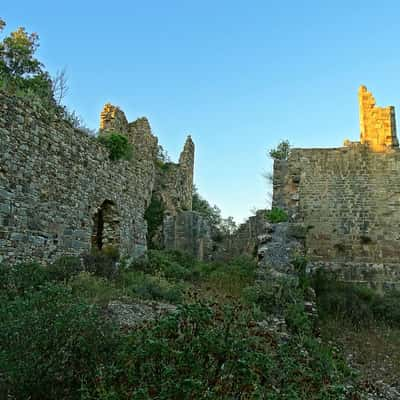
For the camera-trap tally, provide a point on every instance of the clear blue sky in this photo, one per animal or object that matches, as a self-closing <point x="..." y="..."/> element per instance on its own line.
<point x="238" y="75"/>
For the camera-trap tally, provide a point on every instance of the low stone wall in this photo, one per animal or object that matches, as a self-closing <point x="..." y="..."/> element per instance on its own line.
<point x="377" y="276"/>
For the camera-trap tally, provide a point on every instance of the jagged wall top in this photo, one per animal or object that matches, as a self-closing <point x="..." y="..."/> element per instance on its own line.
<point x="112" y="118"/>
<point x="186" y="163"/>
<point x="377" y="124"/>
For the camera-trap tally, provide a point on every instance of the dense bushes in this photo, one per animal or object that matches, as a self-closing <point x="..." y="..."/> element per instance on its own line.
<point x="358" y="304"/>
<point x="54" y="344"/>
<point x="50" y="342"/>
<point x="213" y="352"/>
<point x="154" y="216"/>
<point x="118" y="146"/>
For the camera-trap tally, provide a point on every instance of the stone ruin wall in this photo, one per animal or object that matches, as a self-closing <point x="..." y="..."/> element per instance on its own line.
<point x="246" y="238"/>
<point x="349" y="200"/>
<point x="57" y="183"/>
<point x="188" y="232"/>
<point x="174" y="181"/>
<point x="377" y="124"/>
<point x="61" y="195"/>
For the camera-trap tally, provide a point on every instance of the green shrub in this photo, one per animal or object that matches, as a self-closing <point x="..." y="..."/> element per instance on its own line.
<point x="276" y="215"/>
<point x="17" y="280"/>
<point x="356" y="303"/>
<point x="173" y="265"/>
<point x="65" y="268"/>
<point x="211" y="352"/>
<point x="284" y="297"/>
<point x="102" y="263"/>
<point x="281" y="152"/>
<point x="229" y="279"/>
<point x="117" y="145"/>
<point x="386" y="307"/>
<point x="50" y="343"/>
<point x="154" y="216"/>
<point x="150" y="287"/>
<point x="95" y="289"/>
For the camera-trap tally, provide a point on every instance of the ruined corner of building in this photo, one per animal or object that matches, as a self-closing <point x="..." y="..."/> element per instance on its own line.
<point x="348" y="199"/>
<point x="377" y="124"/>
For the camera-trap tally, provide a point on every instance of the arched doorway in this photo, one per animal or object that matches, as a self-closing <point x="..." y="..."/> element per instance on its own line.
<point x="106" y="226"/>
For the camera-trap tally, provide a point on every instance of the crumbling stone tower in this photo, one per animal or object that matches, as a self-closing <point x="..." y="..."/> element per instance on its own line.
<point x="186" y="163"/>
<point x="377" y="124"/>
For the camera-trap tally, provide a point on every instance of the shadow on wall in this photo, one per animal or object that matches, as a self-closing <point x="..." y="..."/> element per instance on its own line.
<point x="106" y="227"/>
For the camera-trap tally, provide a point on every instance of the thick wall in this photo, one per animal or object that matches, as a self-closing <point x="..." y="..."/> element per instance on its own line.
<point x="54" y="181"/>
<point x="349" y="199"/>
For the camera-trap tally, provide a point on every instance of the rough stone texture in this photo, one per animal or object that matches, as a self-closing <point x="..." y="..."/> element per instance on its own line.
<point x="377" y="124"/>
<point x="188" y="232"/>
<point x="348" y="198"/>
<point x="112" y="118"/>
<point x="61" y="195"/>
<point x="246" y="238"/>
<point x="56" y="181"/>
<point x="174" y="182"/>
<point x="279" y="248"/>
<point x="133" y="315"/>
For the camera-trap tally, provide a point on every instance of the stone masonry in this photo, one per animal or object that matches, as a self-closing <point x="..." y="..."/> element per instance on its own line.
<point x="188" y="232"/>
<point x="61" y="195"/>
<point x="377" y="124"/>
<point x="349" y="199"/>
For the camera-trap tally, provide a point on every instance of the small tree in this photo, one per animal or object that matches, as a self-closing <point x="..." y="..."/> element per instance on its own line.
<point x="281" y="152"/>
<point x="19" y="69"/>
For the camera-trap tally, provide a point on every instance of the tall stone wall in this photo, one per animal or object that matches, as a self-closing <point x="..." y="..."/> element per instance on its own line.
<point x="349" y="200"/>
<point x="58" y="188"/>
<point x="174" y="181"/>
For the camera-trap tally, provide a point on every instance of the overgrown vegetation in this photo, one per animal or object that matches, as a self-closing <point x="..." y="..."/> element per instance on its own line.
<point x="220" y="226"/>
<point x="154" y="216"/>
<point x="55" y="342"/>
<point x="276" y="215"/>
<point x="281" y="152"/>
<point x="117" y="145"/>
<point x="357" y="304"/>
<point x="23" y="75"/>
<point x="19" y="69"/>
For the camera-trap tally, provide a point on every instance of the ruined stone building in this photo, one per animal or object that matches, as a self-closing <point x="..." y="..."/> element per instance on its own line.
<point x="60" y="194"/>
<point x="348" y="198"/>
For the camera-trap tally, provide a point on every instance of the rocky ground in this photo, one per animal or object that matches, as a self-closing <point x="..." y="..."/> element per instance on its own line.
<point x="374" y="352"/>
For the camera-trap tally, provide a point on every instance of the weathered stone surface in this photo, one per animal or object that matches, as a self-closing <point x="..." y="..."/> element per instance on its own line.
<point x="247" y="238"/>
<point x="377" y="124"/>
<point x="55" y="180"/>
<point x="134" y="314"/>
<point x="277" y="254"/>
<point x="61" y="195"/>
<point x="348" y="198"/>
<point x="188" y="232"/>
<point x="174" y="182"/>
